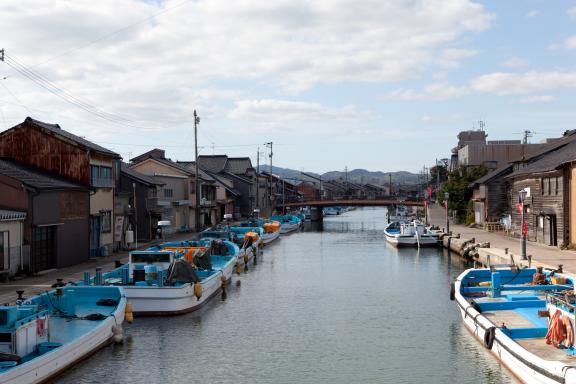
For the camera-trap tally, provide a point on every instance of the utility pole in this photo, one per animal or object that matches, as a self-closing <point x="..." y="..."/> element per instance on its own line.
<point x="437" y="181"/>
<point x="346" y="179"/>
<point x="527" y="134"/>
<point x="135" y="215"/>
<point x="196" y="178"/>
<point x="270" y="144"/>
<point x="390" y="184"/>
<point x="258" y="177"/>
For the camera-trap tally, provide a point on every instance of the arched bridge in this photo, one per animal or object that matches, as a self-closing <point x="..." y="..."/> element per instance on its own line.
<point x="354" y="203"/>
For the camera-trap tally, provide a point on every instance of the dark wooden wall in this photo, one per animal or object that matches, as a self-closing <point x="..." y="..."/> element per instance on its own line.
<point x="31" y="145"/>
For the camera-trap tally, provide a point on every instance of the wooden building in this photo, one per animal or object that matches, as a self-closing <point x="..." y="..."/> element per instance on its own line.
<point x="71" y="157"/>
<point x="547" y="178"/>
<point x="54" y="214"/>
<point x="136" y="207"/>
<point x="490" y="196"/>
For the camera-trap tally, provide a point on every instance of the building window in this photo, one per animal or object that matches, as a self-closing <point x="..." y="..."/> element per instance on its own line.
<point x="100" y="176"/>
<point x="106" y="221"/>
<point x="545" y="186"/>
<point x="168" y="193"/>
<point x="557" y="181"/>
<point x="94" y="174"/>
<point x="106" y="173"/>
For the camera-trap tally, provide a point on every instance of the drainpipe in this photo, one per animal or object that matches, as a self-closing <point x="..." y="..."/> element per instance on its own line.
<point x="21" y="242"/>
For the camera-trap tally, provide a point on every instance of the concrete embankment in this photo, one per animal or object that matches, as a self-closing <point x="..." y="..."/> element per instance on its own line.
<point x="483" y="254"/>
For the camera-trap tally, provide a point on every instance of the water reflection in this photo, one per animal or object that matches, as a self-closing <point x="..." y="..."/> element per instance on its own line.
<point x="332" y="304"/>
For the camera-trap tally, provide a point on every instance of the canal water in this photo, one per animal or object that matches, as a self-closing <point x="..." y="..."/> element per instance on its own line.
<point x="327" y="305"/>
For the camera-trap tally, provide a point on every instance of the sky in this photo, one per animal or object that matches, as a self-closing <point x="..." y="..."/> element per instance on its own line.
<point x="373" y="84"/>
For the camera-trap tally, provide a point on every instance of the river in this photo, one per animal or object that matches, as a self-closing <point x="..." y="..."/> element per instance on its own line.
<point x="327" y="305"/>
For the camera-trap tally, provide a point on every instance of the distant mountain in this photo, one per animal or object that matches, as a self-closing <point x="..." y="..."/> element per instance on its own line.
<point x="360" y="176"/>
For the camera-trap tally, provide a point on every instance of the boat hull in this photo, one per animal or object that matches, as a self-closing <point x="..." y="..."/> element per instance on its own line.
<point x="289" y="227"/>
<point x="410" y="241"/>
<point x="522" y="363"/>
<point x="53" y="363"/>
<point x="169" y="301"/>
<point x="267" y="238"/>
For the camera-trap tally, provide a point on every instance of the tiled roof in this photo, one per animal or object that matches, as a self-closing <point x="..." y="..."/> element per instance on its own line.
<point x="55" y="128"/>
<point x="232" y="190"/>
<point x="491" y="175"/>
<point x="238" y="165"/>
<point x="6" y="215"/>
<point x="124" y="168"/>
<point x="214" y="163"/>
<point x="550" y="161"/>
<point x="34" y="177"/>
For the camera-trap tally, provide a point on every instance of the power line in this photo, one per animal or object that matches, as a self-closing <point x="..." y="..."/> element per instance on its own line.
<point x="15" y="98"/>
<point x="113" y="33"/>
<point x="66" y="95"/>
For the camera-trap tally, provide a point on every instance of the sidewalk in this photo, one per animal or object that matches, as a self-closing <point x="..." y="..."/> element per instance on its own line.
<point x="38" y="284"/>
<point x="541" y="253"/>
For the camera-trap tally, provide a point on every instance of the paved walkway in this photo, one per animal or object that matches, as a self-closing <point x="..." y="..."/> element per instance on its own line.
<point x="542" y="253"/>
<point x="37" y="284"/>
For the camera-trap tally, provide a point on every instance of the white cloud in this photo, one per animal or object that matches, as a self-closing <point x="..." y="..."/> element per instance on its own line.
<point x="501" y="83"/>
<point x="497" y="83"/>
<point x="451" y="58"/>
<point x="271" y="110"/>
<point x="160" y="68"/>
<point x="432" y="92"/>
<point x="570" y="43"/>
<point x="572" y="13"/>
<point x="533" y="13"/>
<point x="515" y="62"/>
<point x="537" y="99"/>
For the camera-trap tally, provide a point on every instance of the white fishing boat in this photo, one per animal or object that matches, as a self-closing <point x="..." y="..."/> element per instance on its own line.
<point x="525" y="317"/>
<point x="171" y="280"/>
<point x="403" y="214"/>
<point x="46" y="334"/>
<point x="411" y="234"/>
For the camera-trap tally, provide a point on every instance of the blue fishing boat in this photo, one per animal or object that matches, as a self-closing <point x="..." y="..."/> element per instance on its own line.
<point x="288" y="223"/>
<point x="46" y="334"/>
<point x="173" y="278"/>
<point x="248" y="240"/>
<point x="525" y="317"/>
<point x="270" y="228"/>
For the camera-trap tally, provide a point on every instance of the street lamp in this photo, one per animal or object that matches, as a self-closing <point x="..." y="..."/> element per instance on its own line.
<point x="522" y="196"/>
<point x="446" y="197"/>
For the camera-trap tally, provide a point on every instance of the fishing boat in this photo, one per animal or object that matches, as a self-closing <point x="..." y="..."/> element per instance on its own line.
<point x="44" y="335"/>
<point x="270" y="228"/>
<point x="331" y="211"/>
<point x="248" y="240"/>
<point x="525" y="317"/>
<point x="412" y="234"/>
<point x="402" y="214"/>
<point x="288" y="223"/>
<point x="172" y="279"/>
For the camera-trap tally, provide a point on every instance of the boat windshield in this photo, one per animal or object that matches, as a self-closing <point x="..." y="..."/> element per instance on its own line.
<point x="147" y="258"/>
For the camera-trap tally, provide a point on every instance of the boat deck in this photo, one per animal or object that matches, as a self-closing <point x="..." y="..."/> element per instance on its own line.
<point x="520" y="319"/>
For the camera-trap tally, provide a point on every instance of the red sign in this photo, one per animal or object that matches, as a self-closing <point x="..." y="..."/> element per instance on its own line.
<point x="519" y="206"/>
<point x="525" y="229"/>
